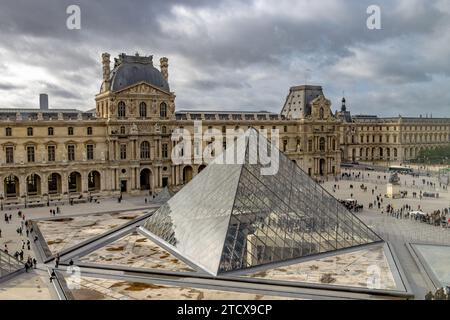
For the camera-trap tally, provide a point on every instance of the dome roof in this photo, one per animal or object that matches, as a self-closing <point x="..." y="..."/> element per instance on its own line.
<point x="129" y="70"/>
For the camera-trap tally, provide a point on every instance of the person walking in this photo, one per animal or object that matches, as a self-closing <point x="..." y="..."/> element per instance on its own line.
<point x="57" y="260"/>
<point x="52" y="276"/>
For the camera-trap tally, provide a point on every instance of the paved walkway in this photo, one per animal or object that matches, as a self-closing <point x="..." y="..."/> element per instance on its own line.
<point x="398" y="232"/>
<point x="36" y="285"/>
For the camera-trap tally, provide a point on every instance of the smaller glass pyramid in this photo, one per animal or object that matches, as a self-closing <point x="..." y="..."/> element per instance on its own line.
<point x="163" y="196"/>
<point x="235" y="216"/>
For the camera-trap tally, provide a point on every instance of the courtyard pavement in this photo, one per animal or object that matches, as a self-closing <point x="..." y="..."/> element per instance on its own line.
<point x="35" y="284"/>
<point x="398" y="232"/>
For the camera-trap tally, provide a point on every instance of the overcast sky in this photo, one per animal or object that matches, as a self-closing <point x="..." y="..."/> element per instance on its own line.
<point x="234" y="55"/>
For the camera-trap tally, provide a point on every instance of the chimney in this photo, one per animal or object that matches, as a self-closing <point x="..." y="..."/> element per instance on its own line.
<point x="164" y="66"/>
<point x="106" y="66"/>
<point x="43" y="101"/>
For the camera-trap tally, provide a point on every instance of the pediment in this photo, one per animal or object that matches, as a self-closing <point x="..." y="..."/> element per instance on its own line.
<point x="142" y="88"/>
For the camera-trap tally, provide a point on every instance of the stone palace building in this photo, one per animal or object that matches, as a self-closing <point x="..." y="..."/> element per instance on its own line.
<point x="124" y="144"/>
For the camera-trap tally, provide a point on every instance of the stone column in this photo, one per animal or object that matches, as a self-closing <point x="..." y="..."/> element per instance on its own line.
<point x="22" y="185"/>
<point x="133" y="178"/>
<point x="84" y="182"/>
<point x="2" y="187"/>
<point x="44" y="184"/>
<point x="64" y="178"/>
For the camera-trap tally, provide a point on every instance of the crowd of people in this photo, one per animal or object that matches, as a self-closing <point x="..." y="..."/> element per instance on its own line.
<point x="436" y="218"/>
<point x="25" y="232"/>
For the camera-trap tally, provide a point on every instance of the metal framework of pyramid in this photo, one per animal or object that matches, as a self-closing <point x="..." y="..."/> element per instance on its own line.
<point x="232" y="216"/>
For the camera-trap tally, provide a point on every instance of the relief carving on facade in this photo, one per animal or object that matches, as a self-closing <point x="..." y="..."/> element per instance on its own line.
<point x="112" y="108"/>
<point x="133" y="107"/>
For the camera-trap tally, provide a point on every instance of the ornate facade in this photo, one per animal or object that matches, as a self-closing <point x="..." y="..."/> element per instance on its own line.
<point x="125" y="145"/>
<point x="387" y="141"/>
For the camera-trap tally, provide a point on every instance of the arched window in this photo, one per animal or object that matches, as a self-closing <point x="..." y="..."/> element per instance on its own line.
<point x="145" y="150"/>
<point x="142" y="110"/>
<point x="70" y="131"/>
<point x="322" y="144"/>
<point x="121" y="109"/>
<point x="29" y="131"/>
<point x="50" y="131"/>
<point x="163" y="110"/>
<point x="321" y="113"/>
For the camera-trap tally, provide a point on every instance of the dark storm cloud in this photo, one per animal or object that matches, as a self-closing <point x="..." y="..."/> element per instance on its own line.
<point x="59" y="92"/>
<point x="9" y="86"/>
<point x="211" y="84"/>
<point x="235" y="54"/>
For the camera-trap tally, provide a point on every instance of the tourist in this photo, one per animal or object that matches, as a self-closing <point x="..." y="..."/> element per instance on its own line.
<point x="57" y="260"/>
<point x="52" y="276"/>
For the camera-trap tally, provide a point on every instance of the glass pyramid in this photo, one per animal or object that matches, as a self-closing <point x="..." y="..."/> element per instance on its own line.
<point x="163" y="196"/>
<point x="236" y="216"/>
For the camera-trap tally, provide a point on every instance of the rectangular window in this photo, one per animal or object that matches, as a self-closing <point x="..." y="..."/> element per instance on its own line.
<point x="30" y="154"/>
<point x="71" y="152"/>
<point x="123" y="151"/>
<point x="165" y="150"/>
<point x="90" y="152"/>
<point x="51" y="153"/>
<point x="9" y="154"/>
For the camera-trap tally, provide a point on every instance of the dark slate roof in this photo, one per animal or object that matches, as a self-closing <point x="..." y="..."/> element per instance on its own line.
<point x="129" y="70"/>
